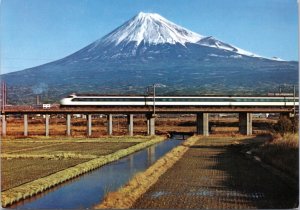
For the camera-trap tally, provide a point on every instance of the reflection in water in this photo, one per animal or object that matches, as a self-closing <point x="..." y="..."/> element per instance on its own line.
<point x="131" y="164"/>
<point x="151" y="155"/>
<point x="89" y="189"/>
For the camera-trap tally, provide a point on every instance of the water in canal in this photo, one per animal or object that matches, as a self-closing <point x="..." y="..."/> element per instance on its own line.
<point x="90" y="189"/>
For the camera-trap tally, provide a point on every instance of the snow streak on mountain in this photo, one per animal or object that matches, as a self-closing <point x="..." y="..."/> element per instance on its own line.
<point x="212" y="42"/>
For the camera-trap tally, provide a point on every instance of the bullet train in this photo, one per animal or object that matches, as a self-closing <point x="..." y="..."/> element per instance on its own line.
<point x="94" y="100"/>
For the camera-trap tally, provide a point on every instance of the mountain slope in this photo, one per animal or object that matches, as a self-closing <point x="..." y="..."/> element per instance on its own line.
<point x="150" y="49"/>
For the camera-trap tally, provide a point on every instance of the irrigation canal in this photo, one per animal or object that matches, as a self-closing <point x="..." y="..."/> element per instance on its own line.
<point x="90" y="189"/>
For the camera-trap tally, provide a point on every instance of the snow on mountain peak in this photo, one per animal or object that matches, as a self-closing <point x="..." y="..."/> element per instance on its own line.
<point x="151" y="28"/>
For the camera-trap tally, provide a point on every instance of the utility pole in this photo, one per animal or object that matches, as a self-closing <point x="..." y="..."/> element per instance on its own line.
<point x="154" y="100"/>
<point x="294" y="94"/>
<point x="279" y="89"/>
<point x="3" y="95"/>
<point x="154" y="94"/>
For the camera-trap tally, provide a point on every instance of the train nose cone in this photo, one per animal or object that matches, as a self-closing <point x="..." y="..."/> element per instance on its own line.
<point x="64" y="101"/>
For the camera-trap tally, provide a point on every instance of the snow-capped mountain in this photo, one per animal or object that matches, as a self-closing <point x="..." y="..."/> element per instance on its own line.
<point x="148" y="29"/>
<point x="150" y="49"/>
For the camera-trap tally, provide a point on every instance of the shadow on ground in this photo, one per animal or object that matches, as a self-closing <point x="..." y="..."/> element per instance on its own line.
<point x="215" y="174"/>
<point x="245" y="182"/>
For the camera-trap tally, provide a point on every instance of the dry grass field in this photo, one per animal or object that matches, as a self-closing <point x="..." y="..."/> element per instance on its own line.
<point x="282" y="153"/>
<point x="17" y="171"/>
<point x="25" y="160"/>
<point x="76" y="148"/>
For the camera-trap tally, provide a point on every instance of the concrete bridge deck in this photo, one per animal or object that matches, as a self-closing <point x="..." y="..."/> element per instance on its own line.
<point x="145" y="110"/>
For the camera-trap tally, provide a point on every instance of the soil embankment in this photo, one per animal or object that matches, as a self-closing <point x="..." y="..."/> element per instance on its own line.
<point x="214" y="174"/>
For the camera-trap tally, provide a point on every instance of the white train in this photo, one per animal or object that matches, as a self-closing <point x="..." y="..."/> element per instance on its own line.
<point x="94" y="100"/>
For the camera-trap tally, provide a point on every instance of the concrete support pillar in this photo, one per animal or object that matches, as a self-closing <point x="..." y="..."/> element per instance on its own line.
<point x="202" y="124"/>
<point x="150" y="124"/>
<point x="68" y="124"/>
<point x="109" y="124"/>
<point x="245" y="123"/>
<point x="25" y="125"/>
<point x="47" y="118"/>
<point x="3" y="125"/>
<point x="89" y="125"/>
<point x="130" y="124"/>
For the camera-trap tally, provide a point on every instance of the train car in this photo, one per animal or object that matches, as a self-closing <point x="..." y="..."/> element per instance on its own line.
<point x="94" y="100"/>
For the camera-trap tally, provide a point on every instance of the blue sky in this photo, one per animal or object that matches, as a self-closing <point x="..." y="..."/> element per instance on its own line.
<point x="35" y="32"/>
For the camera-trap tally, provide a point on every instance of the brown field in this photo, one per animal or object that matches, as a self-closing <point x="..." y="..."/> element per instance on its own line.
<point x="17" y="171"/>
<point x="8" y="147"/>
<point x="27" y="160"/>
<point x="72" y="164"/>
<point x="83" y="148"/>
<point x="214" y="174"/>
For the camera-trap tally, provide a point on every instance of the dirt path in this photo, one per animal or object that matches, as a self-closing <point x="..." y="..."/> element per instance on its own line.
<point x="218" y="176"/>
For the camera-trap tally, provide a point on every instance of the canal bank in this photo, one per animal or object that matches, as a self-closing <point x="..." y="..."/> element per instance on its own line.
<point x="125" y="197"/>
<point x="214" y="174"/>
<point x="87" y="190"/>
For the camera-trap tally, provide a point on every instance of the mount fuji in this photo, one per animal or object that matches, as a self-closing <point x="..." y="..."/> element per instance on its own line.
<point x="150" y="49"/>
<point x="145" y="31"/>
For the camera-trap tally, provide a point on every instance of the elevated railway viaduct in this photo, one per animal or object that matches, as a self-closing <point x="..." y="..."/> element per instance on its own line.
<point x="202" y="113"/>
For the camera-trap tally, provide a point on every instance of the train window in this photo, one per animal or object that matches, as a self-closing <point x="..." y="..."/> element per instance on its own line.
<point x="192" y="99"/>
